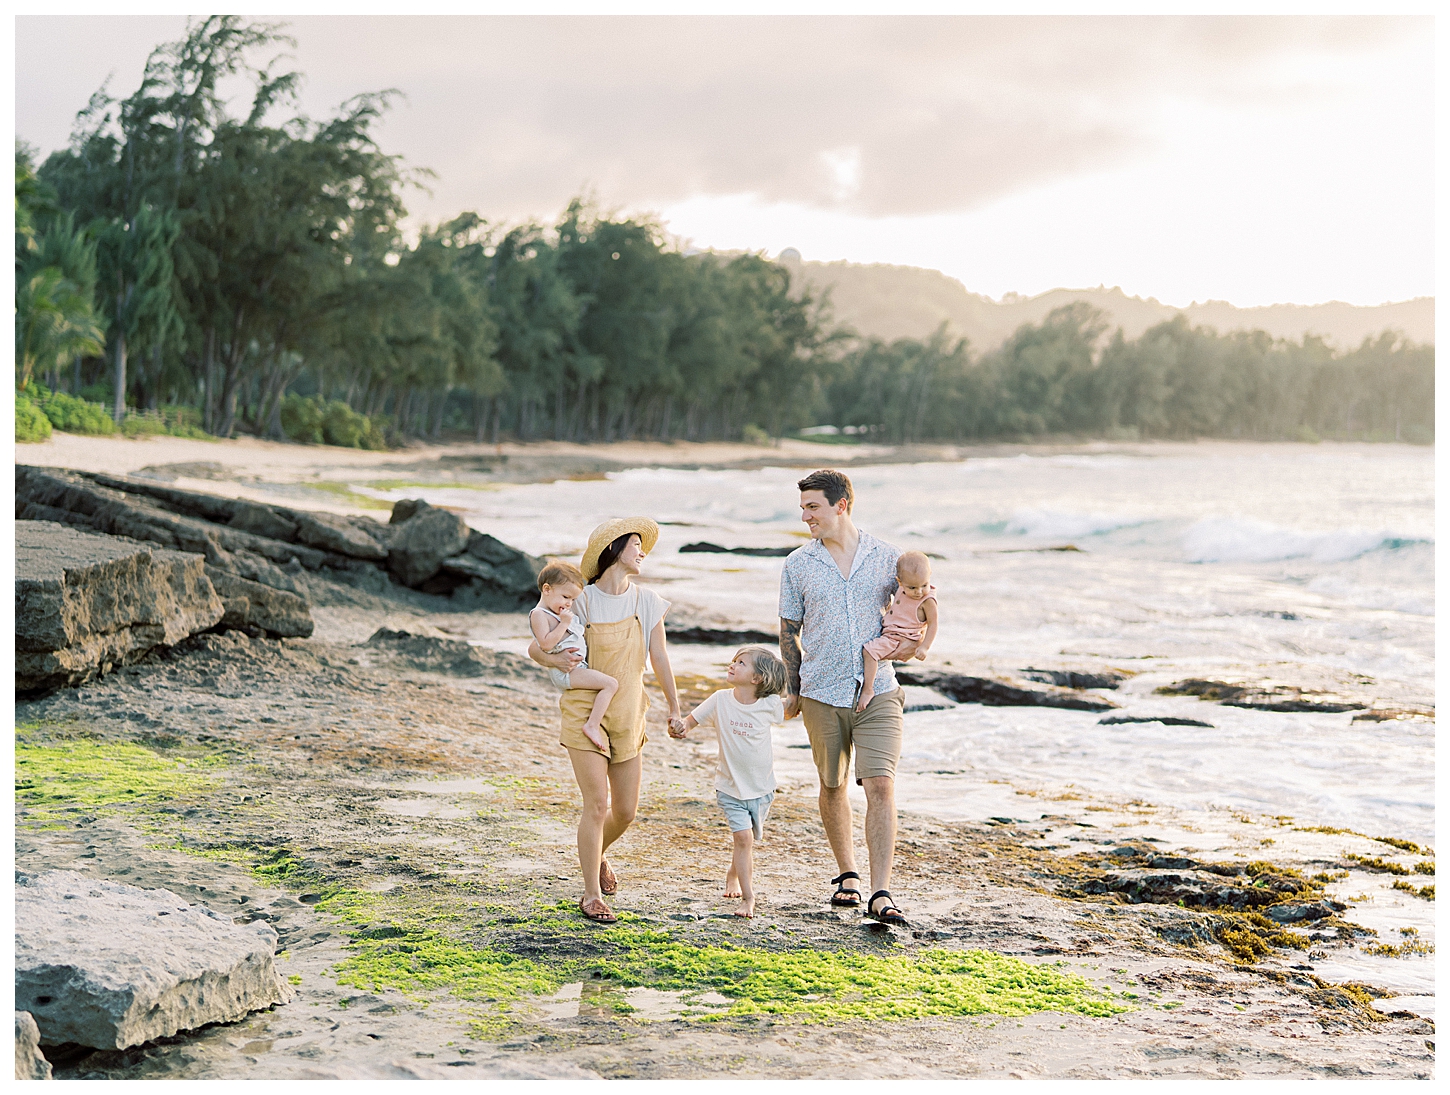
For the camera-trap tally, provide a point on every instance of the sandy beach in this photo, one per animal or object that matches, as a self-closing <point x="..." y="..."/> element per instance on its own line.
<point x="399" y="809"/>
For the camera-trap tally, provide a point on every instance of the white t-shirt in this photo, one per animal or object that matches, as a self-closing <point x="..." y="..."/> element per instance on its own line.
<point x="594" y="606"/>
<point x="746" y="768"/>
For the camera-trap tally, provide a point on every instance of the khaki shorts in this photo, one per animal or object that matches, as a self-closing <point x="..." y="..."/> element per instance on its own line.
<point x="875" y="734"/>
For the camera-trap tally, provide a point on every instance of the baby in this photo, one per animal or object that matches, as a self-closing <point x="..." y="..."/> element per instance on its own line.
<point x="910" y="623"/>
<point x="556" y="628"/>
<point x="745" y="781"/>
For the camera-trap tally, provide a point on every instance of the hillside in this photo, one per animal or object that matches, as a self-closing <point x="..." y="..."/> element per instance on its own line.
<point x="891" y="302"/>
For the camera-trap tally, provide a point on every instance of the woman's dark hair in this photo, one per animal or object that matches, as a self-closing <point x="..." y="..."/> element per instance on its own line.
<point x="610" y="555"/>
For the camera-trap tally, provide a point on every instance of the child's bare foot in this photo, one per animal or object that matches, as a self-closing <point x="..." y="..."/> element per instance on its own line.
<point x="732" y="886"/>
<point x="747" y="908"/>
<point x="595" y="733"/>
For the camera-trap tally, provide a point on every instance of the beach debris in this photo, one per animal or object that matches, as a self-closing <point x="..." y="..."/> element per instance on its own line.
<point x="86" y="603"/>
<point x="1166" y="720"/>
<point x="1263" y="695"/>
<point x="30" y="1063"/>
<point x="1003" y="692"/>
<point x="1078" y="678"/>
<point x="107" y="965"/>
<point x="704" y="546"/>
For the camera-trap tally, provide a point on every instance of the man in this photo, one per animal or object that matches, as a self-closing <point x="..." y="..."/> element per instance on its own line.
<point x="832" y="592"/>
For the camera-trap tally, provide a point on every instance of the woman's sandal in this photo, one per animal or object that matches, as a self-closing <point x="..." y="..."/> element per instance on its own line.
<point x="852" y="898"/>
<point x="888" y="914"/>
<point x="595" y="909"/>
<point x="608" y="883"/>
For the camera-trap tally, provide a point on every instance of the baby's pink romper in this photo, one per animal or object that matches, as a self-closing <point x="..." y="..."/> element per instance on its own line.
<point x="901" y="630"/>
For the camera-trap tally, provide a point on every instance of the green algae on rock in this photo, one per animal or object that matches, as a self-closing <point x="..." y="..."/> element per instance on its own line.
<point x="60" y="777"/>
<point x="408" y="954"/>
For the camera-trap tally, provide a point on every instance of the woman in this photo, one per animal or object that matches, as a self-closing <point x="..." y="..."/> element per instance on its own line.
<point x="622" y="624"/>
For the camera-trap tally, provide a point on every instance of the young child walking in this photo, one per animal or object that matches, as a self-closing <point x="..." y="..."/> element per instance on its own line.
<point x="910" y="624"/>
<point x="742" y="716"/>
<point x="557" y="629"/>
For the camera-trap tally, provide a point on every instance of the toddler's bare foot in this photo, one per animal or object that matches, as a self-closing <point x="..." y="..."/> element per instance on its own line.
<point x="747" y="908"/>
<point x="732" y="886"/>
<point x="595" y="733"/>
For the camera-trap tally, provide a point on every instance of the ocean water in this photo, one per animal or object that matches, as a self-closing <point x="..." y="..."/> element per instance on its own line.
<point x="1311" y="565"/>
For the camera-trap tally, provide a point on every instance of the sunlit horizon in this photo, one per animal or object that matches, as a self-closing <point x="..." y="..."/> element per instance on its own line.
<point x="1251" y="160"/>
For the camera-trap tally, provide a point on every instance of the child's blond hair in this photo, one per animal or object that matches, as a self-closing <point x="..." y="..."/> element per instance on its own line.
<point x="556" y="573"/>
<point x="769" y="670"/>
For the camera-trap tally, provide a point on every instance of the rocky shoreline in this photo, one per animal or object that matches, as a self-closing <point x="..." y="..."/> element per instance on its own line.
<point x="391" y="801"/>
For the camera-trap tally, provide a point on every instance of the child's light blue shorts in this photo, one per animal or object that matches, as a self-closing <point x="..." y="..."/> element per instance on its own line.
<point x="745" y="813"/>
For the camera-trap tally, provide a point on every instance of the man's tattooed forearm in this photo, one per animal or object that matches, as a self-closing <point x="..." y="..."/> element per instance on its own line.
<point x="790" y="653"/>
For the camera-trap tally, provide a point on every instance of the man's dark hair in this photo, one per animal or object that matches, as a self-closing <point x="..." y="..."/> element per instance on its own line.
<point x="833" y="484"/>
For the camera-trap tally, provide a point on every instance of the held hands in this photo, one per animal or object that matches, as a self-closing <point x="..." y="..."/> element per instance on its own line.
<point x="792" y="704"/>
<point x="676" y="726"/>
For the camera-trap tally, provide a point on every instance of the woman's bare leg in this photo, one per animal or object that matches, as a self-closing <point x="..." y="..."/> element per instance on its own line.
<point x="606" y="686"/>
<point x="591" y="772"/>
<point x="623" y="799"/>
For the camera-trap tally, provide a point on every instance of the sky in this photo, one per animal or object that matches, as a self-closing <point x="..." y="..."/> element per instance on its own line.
<point x="1251" y="159"/>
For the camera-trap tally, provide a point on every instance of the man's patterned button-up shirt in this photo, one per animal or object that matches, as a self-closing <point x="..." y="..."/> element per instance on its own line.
<point x="838" y="616"/>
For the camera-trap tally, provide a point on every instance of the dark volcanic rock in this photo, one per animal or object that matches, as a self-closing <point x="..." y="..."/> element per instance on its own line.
<point x="1166" y="720"/>
<point x="720" y="636"/>
<point x="705" y="547"/>
<point x="1000" y="692"/>
<point x="422" y="539"/>
<point x="1262" y="695"/>
<point x="1076" y="678"/>
<point x="85" y="602"/>
<point x="332" y="533"/>
<point x="280" y="614"/>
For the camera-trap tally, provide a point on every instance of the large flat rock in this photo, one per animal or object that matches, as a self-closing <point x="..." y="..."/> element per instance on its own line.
<point x="30" y="1063"/>
<point x="107" y="965"/>
<point x="85" y="602"/>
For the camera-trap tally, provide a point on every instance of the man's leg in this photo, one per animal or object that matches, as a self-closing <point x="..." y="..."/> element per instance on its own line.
<point x="836" y="819"/>
<point x="878" y="734"/>
<point x="831" y="750"/>
<point x="880" y="828"/>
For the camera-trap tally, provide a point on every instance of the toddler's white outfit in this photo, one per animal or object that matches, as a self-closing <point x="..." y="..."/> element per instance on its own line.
<point x="745" y="775"/>
<point x="573" y="640"/>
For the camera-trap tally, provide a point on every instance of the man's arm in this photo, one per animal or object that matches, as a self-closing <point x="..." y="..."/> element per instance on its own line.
<point x="790" y="653"/>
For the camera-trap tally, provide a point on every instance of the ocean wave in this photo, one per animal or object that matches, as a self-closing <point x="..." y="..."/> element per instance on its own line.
<point x="1059" y="524"/>
<point x="1242" y="540"/>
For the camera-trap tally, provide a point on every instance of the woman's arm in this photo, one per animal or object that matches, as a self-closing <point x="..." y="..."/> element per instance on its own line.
<point x="659" y="660"/>
<point x="565" y="659"/>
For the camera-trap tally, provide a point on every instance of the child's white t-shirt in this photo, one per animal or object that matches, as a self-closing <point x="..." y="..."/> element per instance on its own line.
<point x="746" y="766"/>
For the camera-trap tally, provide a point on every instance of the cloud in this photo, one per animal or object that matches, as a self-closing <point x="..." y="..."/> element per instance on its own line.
<point x="870" y="116"/>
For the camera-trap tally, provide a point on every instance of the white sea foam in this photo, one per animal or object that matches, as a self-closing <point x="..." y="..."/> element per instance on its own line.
<point x="1059" y="524"/>
<point x="1244" y="540"/>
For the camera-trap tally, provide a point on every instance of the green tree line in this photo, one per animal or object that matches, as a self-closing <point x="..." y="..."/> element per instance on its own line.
<point x="1065" y="376"/>
<point x="248" y="272"/>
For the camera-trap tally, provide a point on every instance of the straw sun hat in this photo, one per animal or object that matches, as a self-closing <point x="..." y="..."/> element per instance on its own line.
<point x="612" y="530"/>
